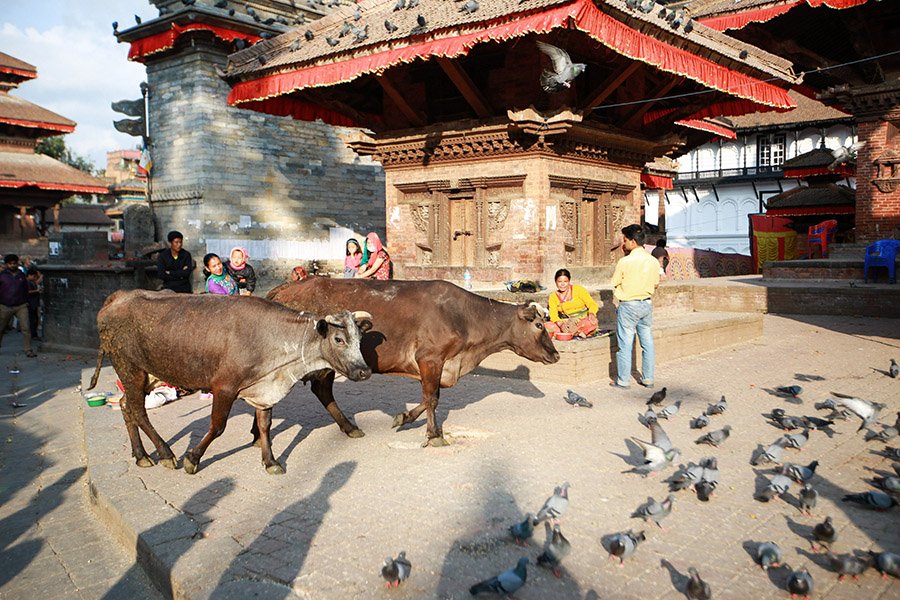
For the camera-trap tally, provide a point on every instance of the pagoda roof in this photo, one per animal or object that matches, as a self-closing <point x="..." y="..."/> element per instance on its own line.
<point x="808" y="111"/>
<point x="22" y="113"/>
<point x="830" y="196"/>
<point x="728" y="14"/>
<point x="84" y="214"/>
<point x="28" y="170"/>
<point x="13" y="66"/>
<point x="289" y="62"/>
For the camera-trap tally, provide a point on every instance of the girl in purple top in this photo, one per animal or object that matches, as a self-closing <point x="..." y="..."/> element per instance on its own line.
<point x="218" y="281"/>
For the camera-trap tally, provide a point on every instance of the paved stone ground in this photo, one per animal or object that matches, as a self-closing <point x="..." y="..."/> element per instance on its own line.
<point x="51" y="546"/>
<point x="322" y="530"/>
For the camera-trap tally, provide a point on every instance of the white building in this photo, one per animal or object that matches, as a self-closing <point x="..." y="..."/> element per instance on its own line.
<point x="723" y="181"/>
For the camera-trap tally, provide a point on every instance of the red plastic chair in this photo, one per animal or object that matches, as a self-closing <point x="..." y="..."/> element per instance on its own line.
<point x="821" y="235"/>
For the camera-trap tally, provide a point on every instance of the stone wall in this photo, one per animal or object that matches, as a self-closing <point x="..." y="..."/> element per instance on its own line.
<point x="290" y="191"/>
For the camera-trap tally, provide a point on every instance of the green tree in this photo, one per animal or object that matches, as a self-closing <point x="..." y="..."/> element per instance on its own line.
<point x="55" y="147"/>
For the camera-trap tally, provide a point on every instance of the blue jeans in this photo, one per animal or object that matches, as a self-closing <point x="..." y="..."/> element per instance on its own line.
<point x="630" y="317"/>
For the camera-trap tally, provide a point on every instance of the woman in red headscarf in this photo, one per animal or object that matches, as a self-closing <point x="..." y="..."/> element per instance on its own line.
<point x="378" y="265"/>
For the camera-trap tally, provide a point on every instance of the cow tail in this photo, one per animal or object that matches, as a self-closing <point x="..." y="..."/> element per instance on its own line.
<point x="97" y="370"/>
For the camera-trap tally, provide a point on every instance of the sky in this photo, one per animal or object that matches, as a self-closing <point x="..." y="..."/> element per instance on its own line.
<point x="81" y="68"/>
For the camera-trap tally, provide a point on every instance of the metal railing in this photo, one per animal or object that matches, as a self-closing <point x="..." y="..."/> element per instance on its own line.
<point x="736" y="172"/>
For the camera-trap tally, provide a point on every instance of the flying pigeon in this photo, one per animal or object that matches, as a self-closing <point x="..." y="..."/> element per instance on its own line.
<point x="655" y="511"/>
<point x="849" y="564"/>
<point x="507" y="582"/>
<point x="577" y="400"/>
<point x="864" y="409"/>
<point x="697" y="589"/>
<point x="563" y="71"/>
<point x="391" y="28"/>
<point x="790" y="390"/>
<point x="670" y="411"/>
<point x="872" y="499"/>
<point x="648" y="417"/>
<point x="623" y="545"/>
<point x="778" y="485"/>
<point x="800" y="583"/>
<point x="558" y="547"/>
<point x="808" y="499"/>
<point x="894" y="370"/>
<point x="700" y="422"/>
<point x="844" y="154"/>
<point x="659" y="437"/>
<point x="685" y="478"/>
<point x="888" y="484"/>
<point x="657" y="397"/>
<point x="396" y="570"/>
<point x="887" y="563"/>
<point x="769" y="555"/>
<point x="555" y="505"/>
<point x="824" y="533"/>
<point x="714" y="438"/>
<point x="469" y="7"/>
<point x="772" y="454"/>
<point x="522" y="531"/>
<point x="655" y="457"/>
<point x="718" y="408"/>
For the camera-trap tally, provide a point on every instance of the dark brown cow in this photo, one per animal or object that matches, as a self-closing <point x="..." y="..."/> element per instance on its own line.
<point x="234" y="346"/>
<point x="433" y="331"/>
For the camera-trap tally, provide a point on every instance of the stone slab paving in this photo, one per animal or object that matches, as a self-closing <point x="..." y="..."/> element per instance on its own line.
<point x="321" y="531"/>
<point x="51" y="546"/>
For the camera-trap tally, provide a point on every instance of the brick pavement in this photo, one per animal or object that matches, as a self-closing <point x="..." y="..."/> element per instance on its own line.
<point x="50" y="544"/>
<point x="322" y="530"/>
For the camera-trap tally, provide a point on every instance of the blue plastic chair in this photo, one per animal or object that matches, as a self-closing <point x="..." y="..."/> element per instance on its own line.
<point x="882" y="253"/>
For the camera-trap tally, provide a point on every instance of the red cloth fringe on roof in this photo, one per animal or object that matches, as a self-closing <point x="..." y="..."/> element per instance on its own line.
<point x="152" y="44"/>
<point x="581" y="14"/>
<point x="812" y="210"/>
<point x="66" y="187"/>
<point x="701" y="125"/>
<point x="739" y="20"/>
<point x="656" y="182"/>
<point x="19" y="72"/>
<point x="799" y="173"/>
<point x="39" y="125"/>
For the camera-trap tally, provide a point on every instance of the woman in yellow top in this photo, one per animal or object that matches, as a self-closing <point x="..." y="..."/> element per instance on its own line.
<point x="572" y="310"/>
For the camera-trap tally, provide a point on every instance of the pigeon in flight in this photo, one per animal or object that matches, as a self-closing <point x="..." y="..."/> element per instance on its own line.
<point x="555" y="505"/>
<point x="825" y="534"/>
<point x="769" y="555"/>
<point x="697" y="589"/>
<point x="522" y="531"/>
<point x="800" y="583"/>
<point x="562" y="71"/>
<point x="656" y="458"/>
<point x="844" y="154"/>
<point x="396" y="570"/>
<point x="558" y="547"/>
<point x="508" y="582"/>
<point x="864" y="409"/>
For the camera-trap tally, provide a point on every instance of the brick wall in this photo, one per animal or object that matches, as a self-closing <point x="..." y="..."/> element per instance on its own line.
<point x="877" y="213"/>
<point x="213" y="164"/>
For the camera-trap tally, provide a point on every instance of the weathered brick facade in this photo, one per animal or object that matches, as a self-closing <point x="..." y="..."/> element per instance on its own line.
<point x="878" y="164"/>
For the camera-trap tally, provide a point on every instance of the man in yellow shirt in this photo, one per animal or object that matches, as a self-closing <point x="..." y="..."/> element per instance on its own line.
<point x="634" y="281"/>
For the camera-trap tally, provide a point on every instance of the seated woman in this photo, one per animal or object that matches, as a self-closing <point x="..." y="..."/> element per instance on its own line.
<point x="572" y="310"/>
<point x="378" y="263"/>
<point x="353" y="260"/>
<point x="242" y="273"/>
<point x="217" y="280"/>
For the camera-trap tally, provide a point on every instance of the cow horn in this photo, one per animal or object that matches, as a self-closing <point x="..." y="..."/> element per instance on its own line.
<point x="540" y="309"/>
<point x="361" y="314"/>
<point x="332" y="320"/>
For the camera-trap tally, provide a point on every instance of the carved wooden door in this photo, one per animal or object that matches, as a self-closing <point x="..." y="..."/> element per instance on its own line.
<point x="463" y="232"/>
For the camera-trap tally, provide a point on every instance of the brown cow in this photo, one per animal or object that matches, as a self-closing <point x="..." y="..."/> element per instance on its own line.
<point x="433" y="331"/>
<point x="219" y="343"/>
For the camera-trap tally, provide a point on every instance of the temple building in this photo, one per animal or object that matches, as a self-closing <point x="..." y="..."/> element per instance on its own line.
<point x="30" y="183"/>
<point x="484" y="170"/>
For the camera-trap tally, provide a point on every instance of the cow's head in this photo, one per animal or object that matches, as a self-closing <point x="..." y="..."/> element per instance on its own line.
<point x="529" y="339"/>
<point x="341" y="334"/>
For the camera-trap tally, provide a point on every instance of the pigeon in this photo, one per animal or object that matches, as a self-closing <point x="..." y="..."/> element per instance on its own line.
<point x="689" y="26"/>
<point x="361" y="34"/>
<point x="137" y="19"/>
<point x="894" y="369"/>
<point x="332" y="42"/>
<point x="700" y="422"/>
<point x="396" y="570"/>
<point x="718" y="408"/>
<point x="558" y="547"/>
<point x="507" y="582"/>
<point x="648" y="417"/>
<point x="685" y="478"/>
<point x="555" y="505"/>
<point x="412" y="4"/>
<point x="670" y="411"/>
<point x="743" y="54"/>
<point x="824" y="533"/>
<point x="469" y="7"/>
<point x="632" y="4"/>
<point x="577" y="400"/>
<point x="808" y="499"/>
<point x="887" y="563"/>
<point x="647" y="6"/>
<point x="697" y="589"/>
<point x="522" y="531"/>
<point x="390" y="27"/>
<point x="266" y="35"/>
<point x="295" y="45"/>
<point x="864" y="409"/>
<point x="657" y="397"/>
<point x="799" y="473"/>
<point x="849" y="564"/>
<point x="221" y="3"/>
<point x="401" y="4"/>
<point x="676" y="22"/>
<point x="796" y="440"/>
<point x="704" y="491"/>
<point x="269" y="21"/>
<point x="240" y="44"/>
<point x="188" y="2"/>
<point x="778" y="485"/>
<point x="357" y="15"/>
<point x="115" y="26"/>
<point x="790" y="390"/>
<point x="896" y="467"/>
<point x="659" y="437"/>
<point x="816" y="423"/>
<point x="655" y="511"/>
<point x="892" y="453"/>
<point x="872" y="499"/>
<point x="772" y="454"/>
<point x="420" y="20"/>
<point x="800" y="583"/>
<point x="709" y="479"/>
<point x="261" y="59"/>
<point x="714" y="438"/>
<point x="563" y="71"/>
<point x="888" y="484"/>
<point x="769" y="555"/>
<point x="655" y="457"/>
<point x="844" y="154"/>
<point x="623" y="545"/>
<point x="345" y="29"/>
<point x="887" y="433"/>
<point x="309" y="35"/>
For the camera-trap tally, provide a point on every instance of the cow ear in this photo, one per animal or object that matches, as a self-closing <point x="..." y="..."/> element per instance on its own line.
<point x="364" y="325"/>
<point x="527" y="312"/>
<point x="321" y="327"/>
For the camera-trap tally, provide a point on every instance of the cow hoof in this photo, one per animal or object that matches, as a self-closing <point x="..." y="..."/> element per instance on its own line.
<point x="436" y="442"/>
<point x="400" y="419"/>
<point x="144" y="462"/>
<point x="189" y="467"/>
<point x="356" y="433"/>
<point x="169" y="463"/>
<point x="275" y="469"/>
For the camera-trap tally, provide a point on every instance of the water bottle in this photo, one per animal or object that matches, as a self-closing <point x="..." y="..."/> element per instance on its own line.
<point x="467" y="280"/>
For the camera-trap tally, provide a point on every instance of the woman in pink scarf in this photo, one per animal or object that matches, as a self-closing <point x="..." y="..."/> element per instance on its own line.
<point x="242" y="273"/>
<point x="379" y="264"/>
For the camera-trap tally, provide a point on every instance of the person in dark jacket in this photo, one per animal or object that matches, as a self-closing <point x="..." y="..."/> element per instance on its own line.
<point x="14" y="300"/>
<point x="240" y="271"/>
<point x="175" y="265"/>
<point x="35" y="288"/>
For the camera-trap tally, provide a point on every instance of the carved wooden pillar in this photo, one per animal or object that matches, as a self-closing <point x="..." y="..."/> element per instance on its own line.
<point x="56" y="217"/>
<point x="480" y="227"/>
<point x="661" y="210"/>
<point x="442" y="220"/>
